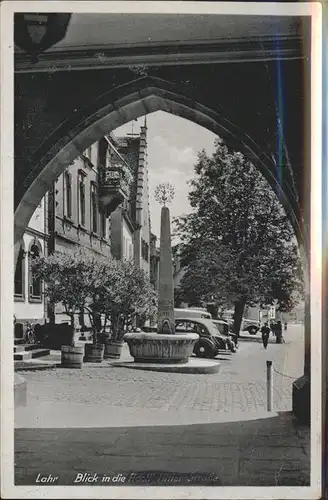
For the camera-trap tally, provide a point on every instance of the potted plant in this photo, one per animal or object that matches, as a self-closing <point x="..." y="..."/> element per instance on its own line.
<point x="98" y="270"/>
<point x="63" y="276"/>
<point x="128" y="295"/>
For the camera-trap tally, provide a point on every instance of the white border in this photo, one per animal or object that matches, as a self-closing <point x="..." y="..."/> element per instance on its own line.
<point x="6" y="250"/>
<point x="316" y="243"/>
<point x="166" y="7"/>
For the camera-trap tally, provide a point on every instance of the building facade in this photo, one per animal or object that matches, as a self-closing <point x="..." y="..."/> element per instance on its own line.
<point x="100" y="203"/>
<point x="29" y="302"/>
<point x="76" y="218"/>
<point x="133" y="148"/>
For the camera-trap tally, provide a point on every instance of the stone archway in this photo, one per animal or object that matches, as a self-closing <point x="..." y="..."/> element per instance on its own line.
<point x="119" y="106"/>
<point x="126" y="102"/>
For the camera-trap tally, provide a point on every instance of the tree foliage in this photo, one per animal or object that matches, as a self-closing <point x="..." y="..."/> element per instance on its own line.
<point x="237" y="245"/>
<point x="129" y="294"/>
<point x="104" y="288"/>
<point x="70" y="278"/>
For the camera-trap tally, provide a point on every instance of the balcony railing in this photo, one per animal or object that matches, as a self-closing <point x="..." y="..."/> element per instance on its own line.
<point x="114" y="185"/>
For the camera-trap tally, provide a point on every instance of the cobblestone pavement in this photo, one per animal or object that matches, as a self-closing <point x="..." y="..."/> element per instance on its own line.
<point x="107" y="421"/>
<point x="240" y="385"/>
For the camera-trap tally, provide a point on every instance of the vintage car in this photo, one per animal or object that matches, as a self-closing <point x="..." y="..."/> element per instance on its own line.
<point x="224" y="328"/>
<point x="191" y="313"/>
<point x="210" y="339"/>
<point x="250" y="325"/>
<point x="210" y="342"/>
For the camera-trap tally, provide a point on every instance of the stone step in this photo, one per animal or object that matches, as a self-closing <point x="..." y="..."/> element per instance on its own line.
<point x="34" y="364"/>
<point x="35" y="353"/>
<point x="19" y="348"/>
<point x="25" y="347"/>
<point x="22" y="355"/>
<point x="31" y="347"/>
<point x="19" y="341"/>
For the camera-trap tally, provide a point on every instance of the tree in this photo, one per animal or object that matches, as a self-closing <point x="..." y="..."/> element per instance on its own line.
<point x="128" y="295"/>
<point x="237" y="245"/>
<point x="103" y="287"/>
<point x="75" y="280"/>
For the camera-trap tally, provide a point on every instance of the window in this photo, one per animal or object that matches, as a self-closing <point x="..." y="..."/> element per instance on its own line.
<point x="20" y="274"/>
<point x="81" y="198"/>
<point x="144" y="250"/>
<point x="35" y="284"/>
<point x="108" y="159"/>
<point x="103" y="221"/>
<point x="102" y="152"/>
<point x="68" y="194"/>
<point x="94" y="209"/>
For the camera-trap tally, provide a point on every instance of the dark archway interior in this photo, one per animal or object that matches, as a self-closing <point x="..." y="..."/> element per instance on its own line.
<point x="100" y="116"/>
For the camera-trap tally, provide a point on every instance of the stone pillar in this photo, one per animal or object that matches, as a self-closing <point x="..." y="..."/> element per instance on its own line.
<point x="137" y="247"/>
<point x="301" y="387"/>
<point x="165" y="320"/>
<point x="140" y="196"/>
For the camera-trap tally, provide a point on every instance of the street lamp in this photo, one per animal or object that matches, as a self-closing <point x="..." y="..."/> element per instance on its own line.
<point x="35" y="32"/>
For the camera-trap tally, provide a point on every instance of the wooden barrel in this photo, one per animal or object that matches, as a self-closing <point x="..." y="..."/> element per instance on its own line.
<point x="113" y="350"/>
<point x="72" y="356"/>
<point x="94" y="353"/>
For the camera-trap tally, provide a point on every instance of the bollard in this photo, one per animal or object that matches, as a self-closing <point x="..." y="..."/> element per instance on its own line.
<point x="269" y="386"/>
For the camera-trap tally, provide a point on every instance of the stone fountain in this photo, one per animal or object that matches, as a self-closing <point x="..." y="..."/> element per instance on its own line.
<point x="165" y="346"/>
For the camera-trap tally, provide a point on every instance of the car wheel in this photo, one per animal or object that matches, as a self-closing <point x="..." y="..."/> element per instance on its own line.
<point x="252" y="330"/>
<point x="203" y="350"/>
<point x="232" y="347"/>
<point x="224" y="347"/>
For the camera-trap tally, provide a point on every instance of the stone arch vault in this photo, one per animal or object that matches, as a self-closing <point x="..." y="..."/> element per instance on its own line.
<point x="102" y="114"/>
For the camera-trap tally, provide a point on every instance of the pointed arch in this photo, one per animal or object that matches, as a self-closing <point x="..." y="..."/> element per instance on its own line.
<point x="121" y="105"/>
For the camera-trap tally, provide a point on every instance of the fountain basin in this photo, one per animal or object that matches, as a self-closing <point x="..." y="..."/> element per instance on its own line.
<point x="158" y="348"/>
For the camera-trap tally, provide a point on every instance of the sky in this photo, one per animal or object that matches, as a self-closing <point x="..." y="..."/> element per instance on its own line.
<point x="173" y="144"/>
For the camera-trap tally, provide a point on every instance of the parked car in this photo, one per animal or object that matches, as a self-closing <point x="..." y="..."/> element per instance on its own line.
<point x="191" y="313"/>
<point x="222" y="325"/>
<point x="210" y="342"/>
<point x="250" y="325"/>
<point x="224" y="328"/>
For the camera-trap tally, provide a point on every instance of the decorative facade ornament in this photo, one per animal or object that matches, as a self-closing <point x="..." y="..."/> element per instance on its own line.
<point x="139" y="69"/>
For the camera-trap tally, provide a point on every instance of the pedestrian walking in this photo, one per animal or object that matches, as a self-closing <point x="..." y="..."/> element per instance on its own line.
<point x="279" y="338"/>
<point x="273" y="328"/>
<point x="285" y="329"/>
<point x="265" y="330"/>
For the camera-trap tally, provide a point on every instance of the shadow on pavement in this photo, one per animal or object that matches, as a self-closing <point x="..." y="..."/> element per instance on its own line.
<point x="262" y="452"/>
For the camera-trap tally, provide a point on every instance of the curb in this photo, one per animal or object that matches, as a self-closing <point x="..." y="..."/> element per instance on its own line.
<point x="199" y="367"/>
<point x="36" y="367"/>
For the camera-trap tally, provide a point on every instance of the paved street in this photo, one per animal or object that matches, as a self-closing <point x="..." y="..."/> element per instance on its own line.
<point x="239" y="386"/>
<point x="265" y="451"/>
<point x="207" y="429"/>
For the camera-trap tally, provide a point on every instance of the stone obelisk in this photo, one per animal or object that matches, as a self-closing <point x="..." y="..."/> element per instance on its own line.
<point x="165" y="319"/>
<point x="165" y="315"/>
